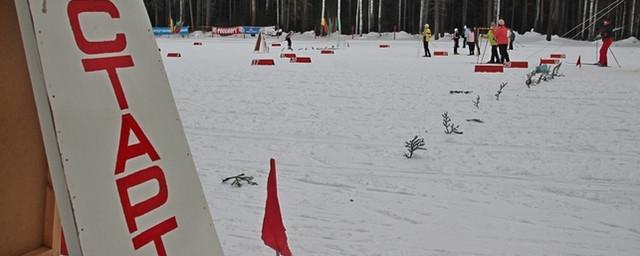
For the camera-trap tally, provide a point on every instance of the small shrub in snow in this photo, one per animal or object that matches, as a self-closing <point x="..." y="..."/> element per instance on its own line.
<point x="238" y="179"/>
<point x="449" y="126"/>
<point x="477" y="102"/>
<point x="413" y="145"/>
<point x="545" y="74"/>
<point x="556" y="71"/>
<point x="500" y="90"/>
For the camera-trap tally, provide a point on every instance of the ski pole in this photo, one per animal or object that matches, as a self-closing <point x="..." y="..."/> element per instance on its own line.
<point x="614" y="57"/>
<point x="597" y="58"/>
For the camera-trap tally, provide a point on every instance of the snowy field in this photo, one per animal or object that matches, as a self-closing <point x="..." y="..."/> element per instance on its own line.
<point x="553" y="170"/>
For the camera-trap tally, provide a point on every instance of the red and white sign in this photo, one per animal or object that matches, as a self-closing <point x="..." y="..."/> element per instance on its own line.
<point x="222" y="31"/>
<point x="130" y="176"/>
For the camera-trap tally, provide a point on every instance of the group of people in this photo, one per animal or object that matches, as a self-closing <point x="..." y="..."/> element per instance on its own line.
<point x="499" y="37"/>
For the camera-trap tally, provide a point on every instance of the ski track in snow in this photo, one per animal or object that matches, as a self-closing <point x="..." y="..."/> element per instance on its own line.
<point x="553" y="170"/>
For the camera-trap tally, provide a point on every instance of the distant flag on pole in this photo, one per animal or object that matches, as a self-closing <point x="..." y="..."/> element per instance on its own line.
<point x="335" y="26"/>
<point x="273" y="231"/>
<point x="323" y="23"/>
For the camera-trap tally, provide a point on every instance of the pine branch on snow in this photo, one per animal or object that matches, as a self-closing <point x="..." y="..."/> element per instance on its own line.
<point x="413" y="145"/>
<point x="238" y="179"/>
<point x="477" y="102"/>
<point x="449" y="126"/>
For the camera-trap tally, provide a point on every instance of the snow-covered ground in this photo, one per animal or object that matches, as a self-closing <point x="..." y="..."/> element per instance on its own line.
<point x="553" y="170"/>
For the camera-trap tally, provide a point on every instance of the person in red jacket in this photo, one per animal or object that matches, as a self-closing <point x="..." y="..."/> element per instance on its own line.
<point x="606" y="32"/>
<point x="502" y="37"/>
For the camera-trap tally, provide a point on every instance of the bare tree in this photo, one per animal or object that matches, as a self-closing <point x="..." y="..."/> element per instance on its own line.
<point x="379" y="16"/>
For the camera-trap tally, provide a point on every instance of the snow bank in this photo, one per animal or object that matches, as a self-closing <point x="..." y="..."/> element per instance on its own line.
<point x="629" y="42"/>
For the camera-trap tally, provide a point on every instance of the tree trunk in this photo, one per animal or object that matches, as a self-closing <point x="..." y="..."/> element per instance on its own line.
<point x="525" y="21"/>
<point x="436" y="19"/>
<point x="536" y="23"/>
<point x="426" y="11"/>
<point x="584" y="17"/>
<point x="497" y="10"/>
<point x="253" y="12"/>
<point x="399" y="15"/>
<point x="380" y="16"/>
<point x="512" y="21"/>
<point x="633" y="16"/>
<point x="594" y="8"/>
<point x="182" y="11"/>
<point x="155" y="13"/>
<point x="554" y="6"/>
<point x="490" y="12"/>
<point x="360" y="18"/>
<point x="420" y="22"/>
<point x="339" y="19"/>
<point x="465" y="7"/>
<point x="193" y="25"/>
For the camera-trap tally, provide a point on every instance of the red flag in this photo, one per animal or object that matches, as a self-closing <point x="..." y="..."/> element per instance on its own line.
<point x="63" y="245"/>
<point x="579" y="63"/>
<point x="273" y="231"/>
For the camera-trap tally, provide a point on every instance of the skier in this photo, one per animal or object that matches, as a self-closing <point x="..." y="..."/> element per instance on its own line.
<point x="503" y="42"/>
<point x="491" y="38"/>
<point x="288" y="38"/>
<point x="606" y="31"/>
<point x="426" y="37"/>
<point x="456" y="40"/>
<point x="472" y="41"/>
<point x="512" y="37"/>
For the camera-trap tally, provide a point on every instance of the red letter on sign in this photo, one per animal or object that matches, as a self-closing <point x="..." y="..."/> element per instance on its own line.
<point x="155" y="234"/>
<point x="126" y="151"/>
<point x="110" y="64"/>
<point x="75" y="8"/>
<point x="131" y="212"/>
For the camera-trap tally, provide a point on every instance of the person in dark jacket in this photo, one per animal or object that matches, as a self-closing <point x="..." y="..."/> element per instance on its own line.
<point x="512" y="38"/>
<point x="288" y="38"/>
<point x="456" y="41"/>
<point x="606" y="31"/>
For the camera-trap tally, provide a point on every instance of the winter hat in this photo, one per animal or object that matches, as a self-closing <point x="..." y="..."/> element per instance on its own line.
<point x="426" y="25"/>
<point x="501" y="22"/>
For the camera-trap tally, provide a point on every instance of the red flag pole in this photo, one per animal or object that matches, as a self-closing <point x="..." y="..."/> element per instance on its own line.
<point x="273" y="231"/>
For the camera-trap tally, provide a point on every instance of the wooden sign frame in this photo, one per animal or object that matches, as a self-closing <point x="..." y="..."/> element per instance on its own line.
<point x="29" y="220"/>
<point x="40" y="112"/>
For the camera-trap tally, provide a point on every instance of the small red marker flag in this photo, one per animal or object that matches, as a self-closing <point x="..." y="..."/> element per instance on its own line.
<point x="579" y="63"/>
<point x="273" y="231"/>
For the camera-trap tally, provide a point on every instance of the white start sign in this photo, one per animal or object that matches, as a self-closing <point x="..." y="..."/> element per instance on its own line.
<point x="130" y="177"/>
